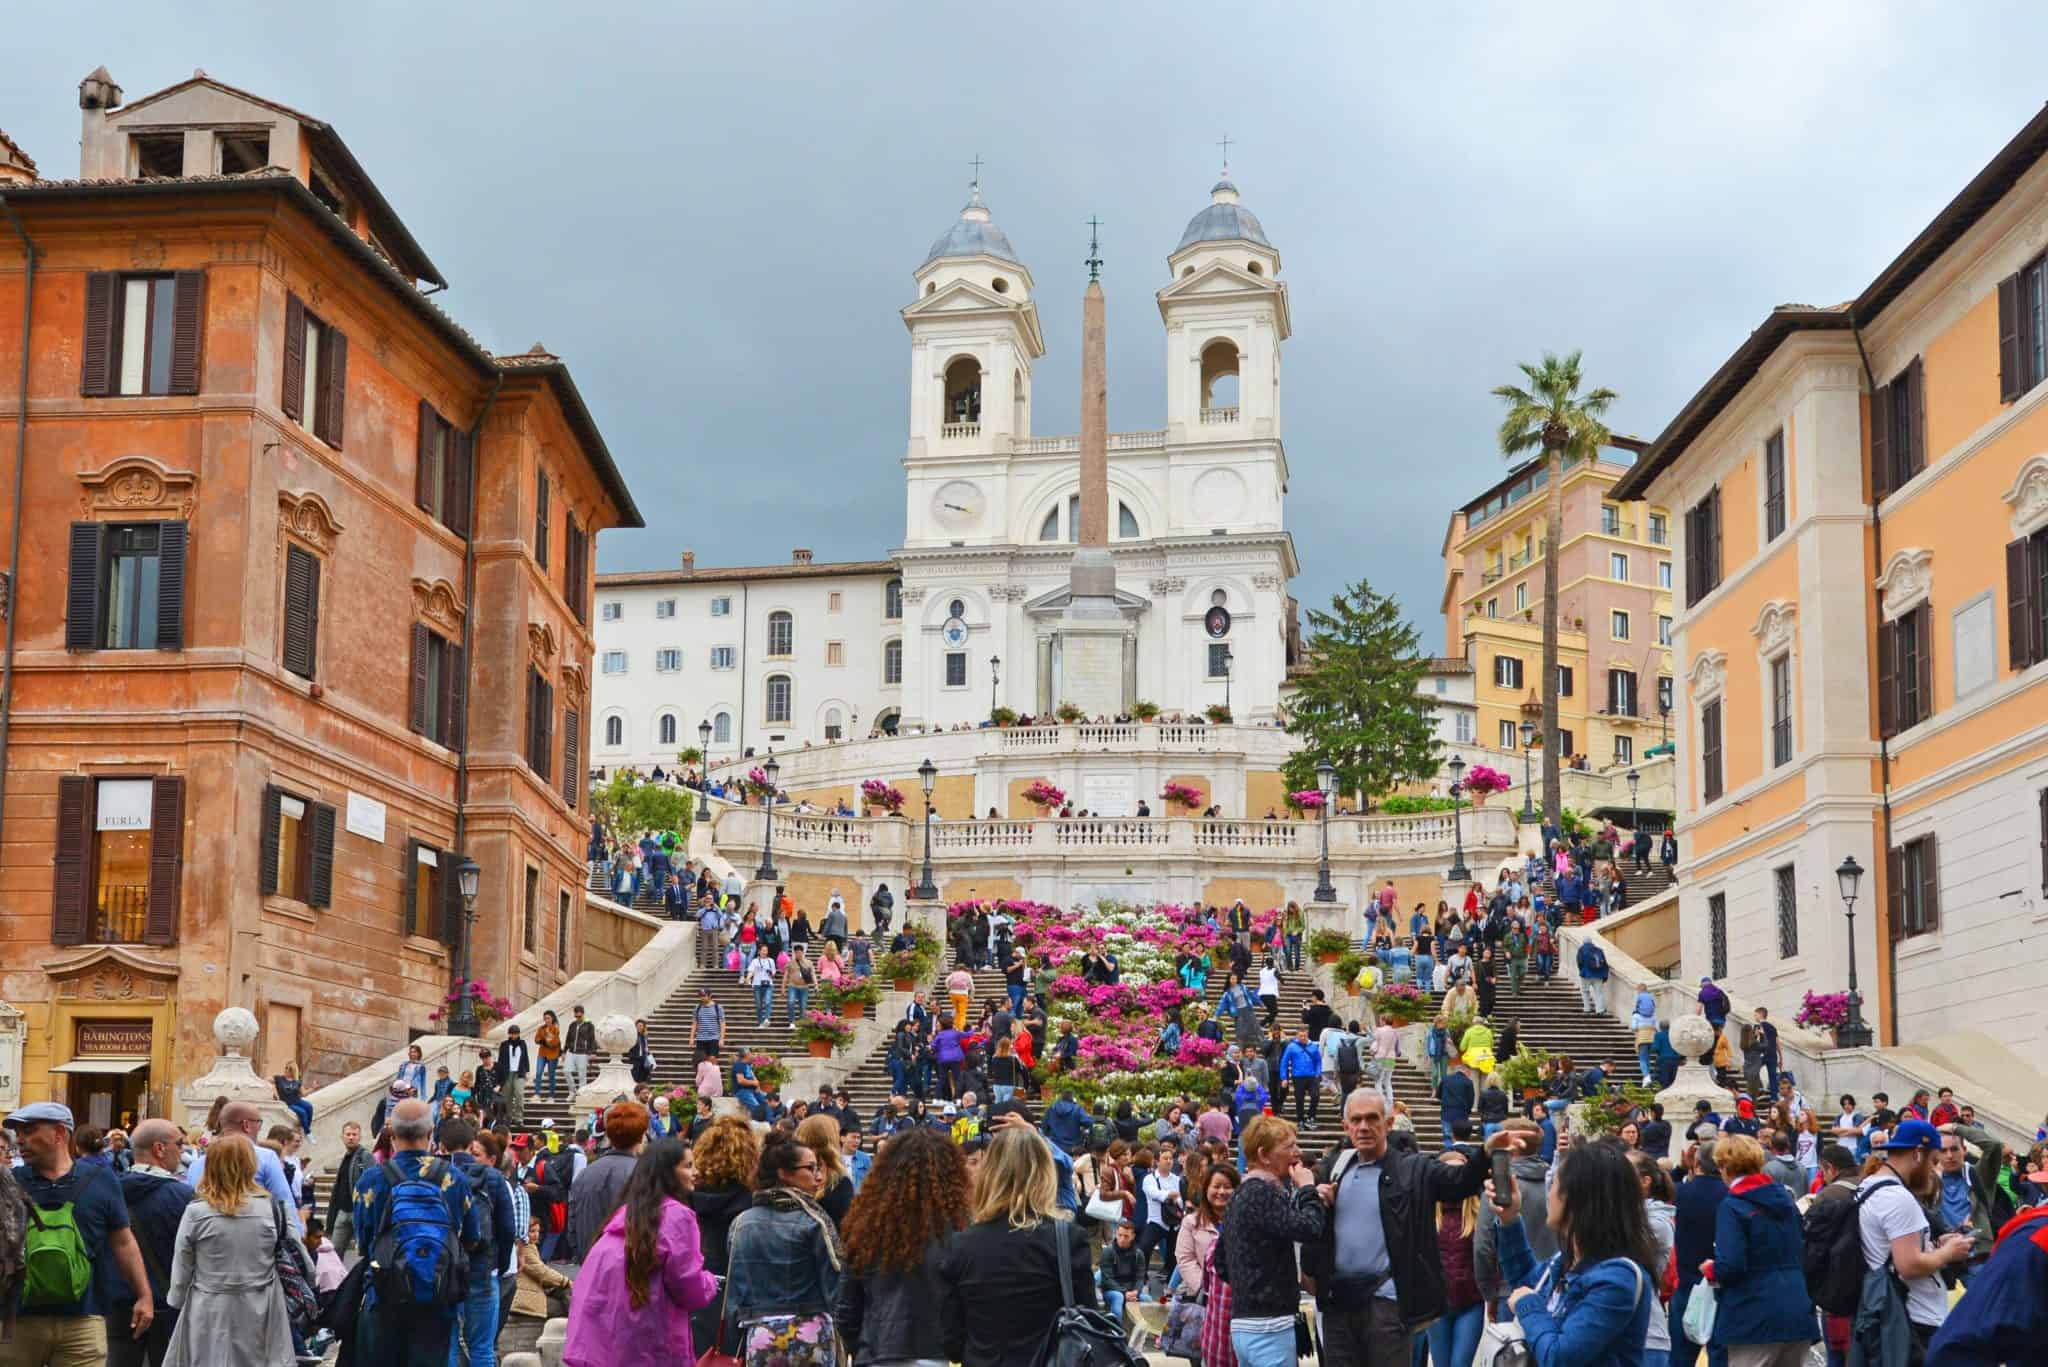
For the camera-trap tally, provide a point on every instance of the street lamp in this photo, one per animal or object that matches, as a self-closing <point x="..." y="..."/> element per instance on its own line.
<point x="769" y="771"/>
<point x="927" y="774"/>
<point x="1635" y="822"/>
<point x="995" y="674"/>
<point x="1528" y="739"/>
<point x="462" y="1020"/>
<point x="1854" y="1035"/>
<point x="1229" y="659"/>
<point x="1326" y="781"/>
<point x="1459" y="873"/>
<point x="704" y="771"/>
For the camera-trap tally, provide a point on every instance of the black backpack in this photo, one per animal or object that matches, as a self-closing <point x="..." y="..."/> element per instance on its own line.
<point x="1831" y="1252"/>
<point x="1080" y="1338"/>
<point x="1347" y="1055"/>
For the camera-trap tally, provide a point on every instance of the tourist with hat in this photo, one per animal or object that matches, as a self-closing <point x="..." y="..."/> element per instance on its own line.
<point x="1894" y="1226"/>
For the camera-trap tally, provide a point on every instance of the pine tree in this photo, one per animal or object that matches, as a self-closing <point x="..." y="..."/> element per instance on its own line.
<point x="1358" y="707"/>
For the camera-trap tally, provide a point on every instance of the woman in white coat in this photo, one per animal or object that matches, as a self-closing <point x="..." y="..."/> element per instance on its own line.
<point x="231" y="1310"/>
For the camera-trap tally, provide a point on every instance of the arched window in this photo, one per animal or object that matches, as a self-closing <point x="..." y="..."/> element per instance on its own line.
<point x="721" y="729"/>
<point x="1126" y="520"/>
<point x="614" y="732"/>
<point x="834" y="730"/>
<point x="957" y="608"/>
<point x="892" y="600"/>
<point x="892" y="663"/>
<point x="1019" y="404"/>
<point x="778" y="699"/>
<point x="963" y="392"/>
<point x="665" y="730"/>
<point x="1049" y="530"/>
<point x="1073" y="517"/>
<point x="1219" y="375"/>
<point x="781" y="634"/>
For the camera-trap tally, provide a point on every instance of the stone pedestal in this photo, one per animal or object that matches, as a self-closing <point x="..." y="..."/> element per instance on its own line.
<point x="1091" y="641"/>
<point x="1693" y="1037"/>
<point x="929" y="914"/>
<point x="614" y="1078"/>
<point x="232" y="1075"/>
<point x="553" y="1339"/>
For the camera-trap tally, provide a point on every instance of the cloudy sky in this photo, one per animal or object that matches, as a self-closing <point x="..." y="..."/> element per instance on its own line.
<point x="712" y="212"/>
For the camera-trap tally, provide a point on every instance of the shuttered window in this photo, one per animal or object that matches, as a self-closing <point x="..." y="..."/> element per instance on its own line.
<point x="2026" y="599"/>
<point x="562" y="930"/>
<point x="297" y="855"/>
<point x="432" y="899"/>
<point x="1774" y="485"/>
<point x="2022" y="330"/>
<point x="1913" y="889"/>
<point x="119" y="862"/>
<point x="439" y="688"/>
<point x="142" y="333"/>
<point x="1781" y="710"/>
<point x="572" y="746"/>
<point x="441" y="470"/>
<point x="1710" y="751"/>
<point x="1703" y="547"/>
<point x="1621" y="692"/>
<point x="1898" y="430"/>
<point x="540" y="519"/>
<point x="540" y="724"/>
<point x="1905" y="671"/>
<point x="1717" y="935"/>
<point x="301" y="611"/>
<point x="315" y="384"/>
<point x="576" y="567"/>
<point x="1785" y="888"/>
<point x="126" y="586"/>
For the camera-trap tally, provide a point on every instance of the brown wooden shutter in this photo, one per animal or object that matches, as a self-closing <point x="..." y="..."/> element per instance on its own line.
<point x="301" y="611"/>
<point x="97" y="373"/>
<point x="188" y="313"/>
<point x="320" y="879"/>
<point x="455" y="509"/>
<point x="273" y="821"/>
<point x="543" y="727"/>
<point x="1915" y="460"/>
<point x="417" y="709"/>
<point x="293" y="398"/>
<point x="82" y="588"/>
<point x="170" y="586"/>
<point x="1923" y="631"/>
<point x="423" y="445"/>
<point x="1880" y="442"/>
<point x="1930" y="884"/>
<point x="2022" y="613"/>
<point x="451" y="900"/>
<point x="2041" y="798"/>
<point x="411" y="924"/>
<point x="453" y="666"/>
<point x="1887" y="679"/>
<point x="572" y="740"/>
<point x="333" y="385"/>
<point x="2009" y="386"/>
<point x="1895" y="893"/>
<point x="166" y="860"/>
<point x="540" y="521"/>
<point x="72" y="887"/>
<point x="1714" y="539"/>
<point x="1710" y="751"/>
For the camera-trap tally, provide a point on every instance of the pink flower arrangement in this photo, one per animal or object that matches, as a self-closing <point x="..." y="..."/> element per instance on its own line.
<point x="1307" y="800"/>
<point x="1823" y="1010"/>
<point x="756" y="782"/>
<point x="1182" y="795"/>
<point x="1043" y="794"/>
<point x="1196" y="1052"/>
<point x="877" y="793"/>
<point x="489" y="1007"/>
<point x="1483" y="782"/>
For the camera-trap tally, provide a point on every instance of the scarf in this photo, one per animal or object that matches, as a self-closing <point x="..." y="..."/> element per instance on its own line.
<point x="787" y="1199"/>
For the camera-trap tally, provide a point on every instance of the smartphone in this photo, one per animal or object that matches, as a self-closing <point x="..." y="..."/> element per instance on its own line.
<point x="1503" y="1178"/>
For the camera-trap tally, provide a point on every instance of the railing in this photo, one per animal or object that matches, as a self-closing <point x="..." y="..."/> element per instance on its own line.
<point x="1490" y="575"/>
<point x="1119" y="736"/>
<point x="1109" y="833"/>
<point x="957" y="430"/>
<point x="121" y="916"/>
<point x="1253" y="835"/>
<point x="825" y="832"/>
<point x="1615" y="526"/>
<point x="1137" y="441"/>
<point x="1118" y="441"/>
<point x="1114" y="733"/>
<point x="1530" y="556"/>
<point x="1213" y="416"/>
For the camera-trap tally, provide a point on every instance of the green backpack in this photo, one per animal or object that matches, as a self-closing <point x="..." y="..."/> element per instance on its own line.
<point x="53" y="1256"/>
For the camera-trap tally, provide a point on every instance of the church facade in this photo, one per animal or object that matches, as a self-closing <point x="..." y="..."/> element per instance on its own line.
<point x="964" y="615"/>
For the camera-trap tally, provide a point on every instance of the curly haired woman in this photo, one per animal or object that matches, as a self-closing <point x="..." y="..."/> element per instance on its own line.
<point x="914" y="1199"/>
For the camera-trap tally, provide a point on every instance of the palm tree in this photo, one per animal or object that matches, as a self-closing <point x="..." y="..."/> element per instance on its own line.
<point x="1552" y="414"/>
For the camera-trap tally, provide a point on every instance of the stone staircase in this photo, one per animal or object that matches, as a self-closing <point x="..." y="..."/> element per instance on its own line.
<point x="1642" y="885"/>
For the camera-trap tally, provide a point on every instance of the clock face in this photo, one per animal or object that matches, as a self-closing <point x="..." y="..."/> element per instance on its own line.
<point x="959" y="505"/>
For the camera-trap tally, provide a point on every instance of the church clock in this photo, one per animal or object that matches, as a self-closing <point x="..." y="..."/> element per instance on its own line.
<point x="959" y="505"/>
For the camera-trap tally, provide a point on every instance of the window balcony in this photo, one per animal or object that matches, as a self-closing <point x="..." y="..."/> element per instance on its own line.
<point x="121" y="916"/>
<point x="1212" y="417"/>
<point x="960" y="431"/>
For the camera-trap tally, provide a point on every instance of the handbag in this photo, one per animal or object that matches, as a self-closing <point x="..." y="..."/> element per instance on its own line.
<point x="1502" y="1345"/>
<point x="1699" y="1313"/>
<point x="1183" y="1336"/>
<point x="301" y="1305"/>
<point x="809" y="1340"/>
<point x="1105" y="1208"/>
<point x="715" y="1355"/>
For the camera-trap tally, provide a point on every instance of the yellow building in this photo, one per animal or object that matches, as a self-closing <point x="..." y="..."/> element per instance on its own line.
<point x="1862" y="538"/>
<point x="1614" y="594"/>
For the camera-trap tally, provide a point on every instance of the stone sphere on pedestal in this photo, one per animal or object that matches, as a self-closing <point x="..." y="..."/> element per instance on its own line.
<point x="616" y="1033"/>
<point x="1693" y="1037"/>
<point x="234" y="1029"/>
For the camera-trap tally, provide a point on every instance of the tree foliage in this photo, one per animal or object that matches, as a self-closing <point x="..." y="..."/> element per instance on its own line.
<point x="1358" y="707"/>
<point x="628" y="805"/>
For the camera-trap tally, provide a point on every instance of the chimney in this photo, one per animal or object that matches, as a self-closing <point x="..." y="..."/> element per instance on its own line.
<point x="689" y="562"/>
<point x="801" y="555"/>
<point x="98" y="91"/>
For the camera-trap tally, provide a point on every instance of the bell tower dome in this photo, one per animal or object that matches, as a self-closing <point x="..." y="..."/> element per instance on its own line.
<point x="1225" y="311"/>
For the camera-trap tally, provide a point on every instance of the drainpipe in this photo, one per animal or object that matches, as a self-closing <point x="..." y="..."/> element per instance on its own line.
<point x="28" y="295"/>
<point x="1890" y="1033"/>
<point x="476" y="436"/>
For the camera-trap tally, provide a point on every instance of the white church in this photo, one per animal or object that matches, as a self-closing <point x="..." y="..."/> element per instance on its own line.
<point x="964" y="615"/>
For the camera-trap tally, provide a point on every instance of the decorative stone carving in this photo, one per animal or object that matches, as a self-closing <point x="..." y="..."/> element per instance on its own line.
<point x="1773" y="629"/>
<point x="574" y="682"/>
<point x="1907" y="581"/>
<point x="615" y="1035"/>
<point x="137" y="484"/>
<point x="540" y="641"/>
<point x="232" y="1075"/>
<point x="108" y="983"/>
<point x="308" y="517"/>
<point x="113" y="973"/>
<point x="1266" y="581"/>
<point x="2029" y="497"/>
<point x="147" y="253"/>
<point x="1171" y="583"/>
<point x="234" y="1029"/>
<point x="1708" y="673"/>
<point x="435" y="600"/>
<point x="1693" y="1037"/>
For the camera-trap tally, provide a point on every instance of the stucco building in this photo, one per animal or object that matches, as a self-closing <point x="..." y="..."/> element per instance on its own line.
<point x="298" y="612"/>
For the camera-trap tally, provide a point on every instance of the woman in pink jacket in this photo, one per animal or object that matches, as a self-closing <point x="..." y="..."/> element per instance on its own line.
<point x="633" y="1297"/>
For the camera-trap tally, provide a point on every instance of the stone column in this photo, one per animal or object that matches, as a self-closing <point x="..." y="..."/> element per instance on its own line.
<point x="1091" y="646"/>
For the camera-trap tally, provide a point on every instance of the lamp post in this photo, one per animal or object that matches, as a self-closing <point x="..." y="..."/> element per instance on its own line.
<point x="769" y="770"/>
<point x="1663" y="722"/>
<point x="1459" y="873"/>
<point x="927" y="774"/>
<point x="462" y="1020"/>
<point x="1854" y="1035"/>
<point x="995" y="674"/>
<point x="1635" y="822"/>
<point x="1528" y="813"/>
<point x="704" y="771"/>
<point x="1326" y="782"/>
<point x="1229" y="659"/>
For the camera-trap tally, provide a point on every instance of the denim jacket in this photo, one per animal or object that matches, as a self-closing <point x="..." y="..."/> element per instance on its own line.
<point x="781" y="1259"/>
<point x="1603" y="1316"/>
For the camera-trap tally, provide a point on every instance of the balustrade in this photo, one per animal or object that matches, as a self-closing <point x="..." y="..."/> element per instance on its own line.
<point x="1211" y="417"/>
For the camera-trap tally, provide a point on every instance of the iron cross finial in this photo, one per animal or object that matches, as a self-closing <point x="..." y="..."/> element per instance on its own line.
<point x="1094" y="248"/>
<point x="1225" y="145"/>
<point x="978" y="164"/>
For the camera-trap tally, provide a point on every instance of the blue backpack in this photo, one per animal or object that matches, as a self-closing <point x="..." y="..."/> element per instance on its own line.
<point x="418" y="1259"/>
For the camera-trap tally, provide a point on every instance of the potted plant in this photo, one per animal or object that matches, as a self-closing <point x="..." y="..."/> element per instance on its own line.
<point x="489" y="1008"/>
<point x="1827" y="1012"/>
<point x="771" y="1072"/>
<point x="877" y="795"/>
<point x="682" y="1105"/>
<point x="851" y="998"/>
<point x="1002" y="716"/>
<point x="1523" y="1074"/>
<point x="756" y="783"/>
<point x="689" y="754"/>
<point x="1185" y="796"/>
<point x="1069" y="713"/>
<point x="1217" y="713"/>
<point x="1327" y="946"/>
<point x="1045" y="795"/>
<point x="1347" y="968"/>
<point x="1400" y="1003"/>
<point x="1307" y="800"/>
<point x="1606" y="1114"/>
<point x="1145" y="711"/>
<point x="823" y="1032"/>
<point x="1482" y="782"/>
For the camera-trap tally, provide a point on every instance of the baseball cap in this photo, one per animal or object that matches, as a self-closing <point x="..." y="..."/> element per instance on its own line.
<point x="41" y="1110"/>
<point x="1912" y="1134"/>
<point x="548" y="1124"/>
<point x="522" y="1141"/>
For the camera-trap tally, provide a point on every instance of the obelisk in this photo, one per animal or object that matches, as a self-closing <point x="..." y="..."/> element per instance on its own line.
<point x="1091" y="631"/>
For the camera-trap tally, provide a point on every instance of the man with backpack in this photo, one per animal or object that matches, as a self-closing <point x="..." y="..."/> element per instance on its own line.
<point x="1892" y="1228"/>
<point x="478" y="1321"/>
<point x="75" y="1238"/>
<point x="417" y="1220"/>
<point x="1592" y="964"/>
<point x="156" y="1204"/>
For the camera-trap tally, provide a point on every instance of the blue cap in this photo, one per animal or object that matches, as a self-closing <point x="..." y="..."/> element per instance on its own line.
<point x="41" y="1110"/>
<point x="1912" y="1134"/>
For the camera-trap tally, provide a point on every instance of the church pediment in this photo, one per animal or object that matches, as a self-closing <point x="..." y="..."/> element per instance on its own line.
<point x="1054" y="603"/>
<point x="961" y="296"/>
<point x="1219" y="277"/>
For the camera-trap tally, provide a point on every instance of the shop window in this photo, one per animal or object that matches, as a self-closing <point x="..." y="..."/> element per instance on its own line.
<point x="119" y="861"/>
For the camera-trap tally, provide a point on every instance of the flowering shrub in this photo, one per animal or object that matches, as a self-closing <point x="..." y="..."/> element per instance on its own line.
<point x="851" y="992"/>
<point x="1044" y="794"/>
<point x="1182" y="795"/>
<point x="682" y="1104"/>
<point x="1307" y="800"/>
<point x="1196" y="1052"/>
<point x="877" y="793"/>
<point x="1823" y="1010"/>
<point x="1400" y="1003"/>
<point x="1326" y="942"/>
<point x="770" y="1071"/>
<point x="1069" y="713"/>
<point x="756" y="782"/>
<point x="489" y="1007"/>
<point x="1482" y="782"/>
<point x="1217" y="713"/>
<point x="822" y="1025"/>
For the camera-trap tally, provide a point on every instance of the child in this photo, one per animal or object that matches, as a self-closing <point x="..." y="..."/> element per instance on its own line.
<point x="327" y="1268"/>
<point x="1122" y="1274"/>
<point x="443" y="1085"/>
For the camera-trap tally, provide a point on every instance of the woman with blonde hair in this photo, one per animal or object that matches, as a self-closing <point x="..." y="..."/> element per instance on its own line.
<point x="820" y="1134"/>
<point x="1005" y="1264"/>
<point x="1275" y="1209"/>
<point x="223" y="1280"/>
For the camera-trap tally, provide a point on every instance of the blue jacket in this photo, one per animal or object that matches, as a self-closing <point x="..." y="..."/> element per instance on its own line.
<point x="155" y="1207"/>
<point x="1250" y="1096"/>
<point x="2004" y="1317"/>
<point x="1301" y="1060"/>
<point x="1456" y="1096"/>
<point x="494" y="1211"/>
<point x="1067" y="1124"/>
<point x="1698" y="1205"/>
<point x="1757" y="1277"/>
<point x="1604" y="1314"/>
<point x="1592" y="963"/>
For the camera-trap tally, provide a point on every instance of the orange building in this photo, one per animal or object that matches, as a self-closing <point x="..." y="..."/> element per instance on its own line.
<point x="1861" y="501"/>
<point x="299" y="584"/>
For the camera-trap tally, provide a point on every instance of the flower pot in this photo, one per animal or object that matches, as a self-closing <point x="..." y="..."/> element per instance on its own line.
<point x="1532" y="1094"/>
<point x="1329" y="958"/>
<point x="853" y="1011"/>
<point x="905" y="985"/>
<point x="1351" y="988"/>
<point x="821" y="1048"/>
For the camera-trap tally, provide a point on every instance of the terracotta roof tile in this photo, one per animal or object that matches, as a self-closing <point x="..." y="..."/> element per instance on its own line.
<point x="21" y="157"/>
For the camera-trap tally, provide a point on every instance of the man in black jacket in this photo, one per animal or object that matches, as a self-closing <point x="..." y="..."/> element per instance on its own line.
<point x="355" y="1161"/>
<point x="156" y="1203"/>
<point x="578" y="1044"/>
<point x="1377" y="1274"/>
<point x="515" y="1062"/>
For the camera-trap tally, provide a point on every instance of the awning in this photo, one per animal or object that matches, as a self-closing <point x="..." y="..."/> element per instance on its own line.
<point x="120" y="1066"/>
